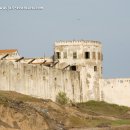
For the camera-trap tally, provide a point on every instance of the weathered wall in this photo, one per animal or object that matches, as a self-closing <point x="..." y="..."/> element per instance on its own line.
<point x="44" y="82"/>
<point x="90" y="83"/>
<point x="85" y="65"/>
<point x="80" y="85"/>
<point x="115" y="91"/>
<point x="79" y="47"/>
<point x="39" y="81"/>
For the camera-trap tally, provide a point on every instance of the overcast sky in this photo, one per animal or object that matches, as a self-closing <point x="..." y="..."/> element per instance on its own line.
<point x="33" y="32"/>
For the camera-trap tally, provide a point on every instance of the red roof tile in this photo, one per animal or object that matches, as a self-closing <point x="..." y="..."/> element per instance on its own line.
<point x="7" y="51"/>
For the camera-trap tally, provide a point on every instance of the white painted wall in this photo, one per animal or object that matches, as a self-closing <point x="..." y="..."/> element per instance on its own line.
<point x="44" y="82"/>
<point x="39" y="81"/>
<point x="115" y="91"/>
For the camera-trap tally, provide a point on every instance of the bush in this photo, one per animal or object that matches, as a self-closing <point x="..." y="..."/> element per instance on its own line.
<point x="61" y="98"/>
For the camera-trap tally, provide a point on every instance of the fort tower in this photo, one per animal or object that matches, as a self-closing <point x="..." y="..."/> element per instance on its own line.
<point x="84" y="56"/>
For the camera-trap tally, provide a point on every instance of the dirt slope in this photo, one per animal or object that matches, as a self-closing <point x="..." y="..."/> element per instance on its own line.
<point x="21" y="112"/>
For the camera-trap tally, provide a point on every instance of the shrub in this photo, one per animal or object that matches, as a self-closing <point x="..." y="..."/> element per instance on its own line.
<point x="61" y="98"/>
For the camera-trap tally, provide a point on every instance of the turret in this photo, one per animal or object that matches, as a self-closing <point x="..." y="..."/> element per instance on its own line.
<point x="84" y="56"/>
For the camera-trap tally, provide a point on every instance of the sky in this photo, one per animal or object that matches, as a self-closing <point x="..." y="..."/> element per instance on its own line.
<point x="33" y="32"/>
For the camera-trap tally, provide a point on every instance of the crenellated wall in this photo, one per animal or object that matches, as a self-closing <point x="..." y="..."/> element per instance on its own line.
<point x="115" y="91"/>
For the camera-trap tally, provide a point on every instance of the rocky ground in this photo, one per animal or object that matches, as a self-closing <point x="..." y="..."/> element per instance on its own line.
<point x="21" y="112"/>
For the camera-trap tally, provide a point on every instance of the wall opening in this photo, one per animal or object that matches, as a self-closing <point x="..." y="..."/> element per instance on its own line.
<point x="73" y="68"/>
<point x="74" y="55"/>
<point x="99" y="56"/>
<point x="87" y="55"/>
<point x="95" y="68"/>
<point x="58" y="55"/>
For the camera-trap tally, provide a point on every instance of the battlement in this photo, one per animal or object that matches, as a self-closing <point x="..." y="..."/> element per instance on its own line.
<point x="115" y="90"/>
<point x="117" y="81"/>
<point x="78" y="42"/>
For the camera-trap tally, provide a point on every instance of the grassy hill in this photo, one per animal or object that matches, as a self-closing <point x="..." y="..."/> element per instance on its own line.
<point x="18" y="112"/>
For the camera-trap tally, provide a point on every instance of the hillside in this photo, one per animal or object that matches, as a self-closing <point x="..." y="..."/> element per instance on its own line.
<point x="21" y="112"/>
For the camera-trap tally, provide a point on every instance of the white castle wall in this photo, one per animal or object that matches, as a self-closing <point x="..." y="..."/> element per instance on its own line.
<point x="115" y="91"/>
<point x="81" y="85"/>
<point x="44" y="82"/>
<point x="40" y="81"/>
<point x="90" y="83"/>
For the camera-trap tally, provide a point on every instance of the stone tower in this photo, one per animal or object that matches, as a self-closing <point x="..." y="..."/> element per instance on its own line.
<point x="84" y="56"/>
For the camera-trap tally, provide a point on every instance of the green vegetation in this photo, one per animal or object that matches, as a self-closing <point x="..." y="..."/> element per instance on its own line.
<point x="61" y="98"/>
<point x="96" y="122"/>
<point x="121" y="122"/>
<point x="89" y="122"/>
<point x="107" y="114"/>
<point x="102" y="108"/>
<point x="88" y="114"/>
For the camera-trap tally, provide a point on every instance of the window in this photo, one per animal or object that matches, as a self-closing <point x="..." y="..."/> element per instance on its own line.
<point x="95" y="68"/>
<point x="87" y="55"/>
<point x="74" y="55"/>
<point x="99" y="56"/>
<point x="73" y="68"/>
<point x="58" y="55"/>
<point x="65" y="55"/>
<point x="94" y="55"/>
<point x="121" y="81"/>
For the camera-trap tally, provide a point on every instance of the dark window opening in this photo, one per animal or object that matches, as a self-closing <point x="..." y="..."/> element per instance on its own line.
<point x="73" y="68"/>
<point x="58" y="56"/>
<point x="99" y="56"/>
<point x="74" y="55"/>
<point x="95" y="68"/>
<point x="48" y="65"/>
<point x="87" y="55"/>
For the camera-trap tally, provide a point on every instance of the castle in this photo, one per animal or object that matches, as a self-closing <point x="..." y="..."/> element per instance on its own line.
<point x="75" y="68"/>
